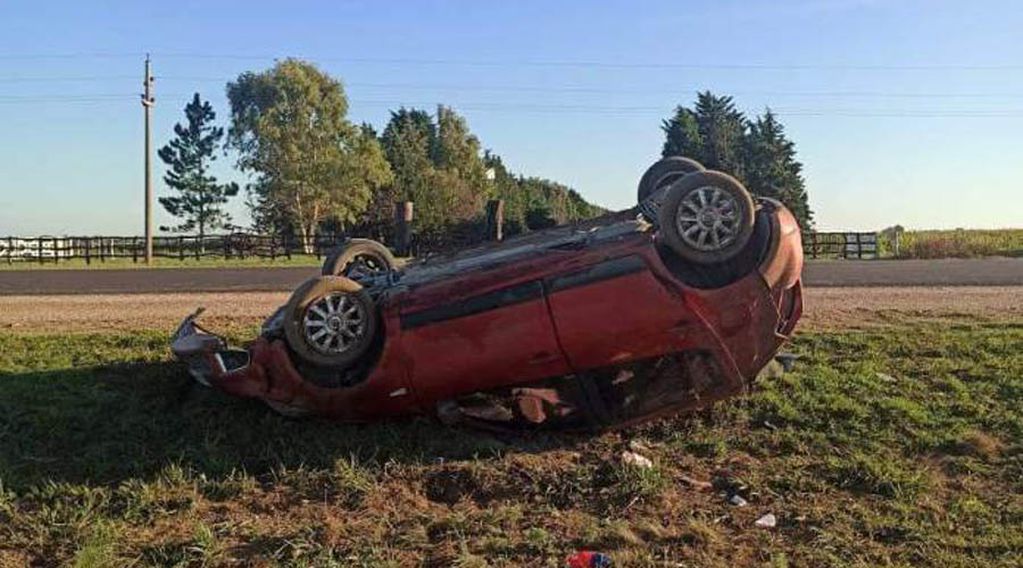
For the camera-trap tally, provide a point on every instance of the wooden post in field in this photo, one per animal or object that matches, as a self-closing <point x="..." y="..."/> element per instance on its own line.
<point x="495" y="220"/>
<point x="88" y="250"/>
<point x="403" y="215"/>
<point x="39" y="249"/>
<point x="10" y="250"/>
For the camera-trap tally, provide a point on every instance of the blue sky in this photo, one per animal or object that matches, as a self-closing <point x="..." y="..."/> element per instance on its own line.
<point x="903" y="111"/>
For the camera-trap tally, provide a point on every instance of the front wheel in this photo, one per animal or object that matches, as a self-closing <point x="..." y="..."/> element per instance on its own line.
<point x="707" y="217"/>
<point x="330" y="322"/>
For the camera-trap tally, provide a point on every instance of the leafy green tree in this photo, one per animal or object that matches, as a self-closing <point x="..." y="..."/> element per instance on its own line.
<point x="311" y="164"/>
<point x="200" y="198"/>
<point x="757" y="152"/>
<point x="436" y="164"/>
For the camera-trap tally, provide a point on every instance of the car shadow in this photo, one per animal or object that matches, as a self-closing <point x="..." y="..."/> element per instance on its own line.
<point x="106" y="424"/>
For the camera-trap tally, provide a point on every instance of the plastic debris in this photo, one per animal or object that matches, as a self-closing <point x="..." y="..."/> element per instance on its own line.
<point x="634" y="459"/>
<point x="588" y="559"/>
<point x="768" y="521"/>
<point x="738" y="501"/>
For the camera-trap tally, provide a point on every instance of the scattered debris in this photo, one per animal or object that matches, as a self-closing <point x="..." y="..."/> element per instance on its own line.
<point x="697" y="483"/>
<point x="738" y="501"/>
<point x="588" y="559"/>
<point x="768" y="521"/>
<point x="769" y="426"/>
<point x="639" y="446"/>
<point x="634" y="459"/>
<point x="887" y="378"/>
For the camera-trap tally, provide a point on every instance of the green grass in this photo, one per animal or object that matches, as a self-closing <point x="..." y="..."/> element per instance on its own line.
<point x="893" y="446"/>
<point x="959" y="243"/>
<point x="188" y="262"/>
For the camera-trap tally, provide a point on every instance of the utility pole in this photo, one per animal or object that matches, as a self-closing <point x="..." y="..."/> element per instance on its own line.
<point x="147" y="103"/>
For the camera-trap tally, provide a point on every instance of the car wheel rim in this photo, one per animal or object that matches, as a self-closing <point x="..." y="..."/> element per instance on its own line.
<point x="334" y="323"/>
<point x="364" y="265"/>
<point x="707" y="219"/>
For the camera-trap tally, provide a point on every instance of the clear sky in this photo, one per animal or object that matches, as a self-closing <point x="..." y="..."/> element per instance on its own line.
<point x="904" y="112"/>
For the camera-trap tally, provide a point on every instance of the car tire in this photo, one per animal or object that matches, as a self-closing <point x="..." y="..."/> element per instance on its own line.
<point x="358" y="257"/>
<point x="330" y="322"/>
<point x="707" y="217"/>
<point x="665" y="172"/>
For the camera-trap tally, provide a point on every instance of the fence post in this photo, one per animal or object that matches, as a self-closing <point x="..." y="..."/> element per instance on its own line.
<point x="88" y="250"/>
<point x="200" y="244"/>
<point x="403" y="215"/>
<point x="39" y="249"/>
<point x="10" y="250"/>
<point x="181" y="248"/>
<point x="495" y="220"/>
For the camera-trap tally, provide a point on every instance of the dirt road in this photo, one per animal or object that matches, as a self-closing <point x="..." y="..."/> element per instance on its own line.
<point x="950" y="272"/>
<point x="825" y="308"/>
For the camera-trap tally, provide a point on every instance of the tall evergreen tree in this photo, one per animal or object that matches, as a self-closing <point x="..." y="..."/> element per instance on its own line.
<point x="717" y="134"/>
<point x="200" y="198"/>
<point x="771" y="167"/>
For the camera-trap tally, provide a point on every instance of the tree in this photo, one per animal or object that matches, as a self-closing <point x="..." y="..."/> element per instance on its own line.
<point x="201" y="199"/>
<point x="311" y="164"/>
<point x="758" y="153"/>
<point x="771" y="168"/>
<point x="437" y="165"/>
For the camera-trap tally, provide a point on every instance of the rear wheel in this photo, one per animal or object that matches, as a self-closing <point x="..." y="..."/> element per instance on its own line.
<point x="330" y="322"/>
<point x="663" y="173"/>
<point x="358" y="258"/>
<point x="707" y="217"/>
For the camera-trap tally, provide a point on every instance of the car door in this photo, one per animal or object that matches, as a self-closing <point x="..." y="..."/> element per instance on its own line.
<point x="613" y="311"/>
<point x="483" y="333"/>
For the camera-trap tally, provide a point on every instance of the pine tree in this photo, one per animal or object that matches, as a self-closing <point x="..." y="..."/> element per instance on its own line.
<point x="758" y="153"/>
<point x="771" y="168"/>
<point x="189" y="156"/>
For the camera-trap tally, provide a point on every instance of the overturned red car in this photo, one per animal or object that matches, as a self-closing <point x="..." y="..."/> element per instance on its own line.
<point x="661" y="309"/>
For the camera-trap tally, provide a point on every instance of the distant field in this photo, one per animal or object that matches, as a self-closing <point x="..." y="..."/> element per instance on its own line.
<point x="890" y="446"/>
<point x="960" y="243"/>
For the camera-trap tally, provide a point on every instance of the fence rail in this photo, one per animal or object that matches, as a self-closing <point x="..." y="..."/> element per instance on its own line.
<point x="840" y="245"/>
<point x="103" y="248"/>
<point x="249" y="245"/>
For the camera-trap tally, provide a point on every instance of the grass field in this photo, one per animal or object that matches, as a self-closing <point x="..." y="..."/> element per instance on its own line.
<point x="887" y="446"/>
<point x="959" y="243"/>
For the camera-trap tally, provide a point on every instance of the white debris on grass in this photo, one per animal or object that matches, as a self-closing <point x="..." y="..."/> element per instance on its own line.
<point x="636" y="460"/>
<point x="768" y="521"/>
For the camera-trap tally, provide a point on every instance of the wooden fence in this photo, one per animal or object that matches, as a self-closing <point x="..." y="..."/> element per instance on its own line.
<point x="396" y="234"/>
<point x="840" y="245"/>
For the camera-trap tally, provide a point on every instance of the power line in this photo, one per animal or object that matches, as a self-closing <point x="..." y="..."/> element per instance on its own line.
<point x="736" y="66"/>
<point x="548" y="108"/>
<point x="575" y="89"/>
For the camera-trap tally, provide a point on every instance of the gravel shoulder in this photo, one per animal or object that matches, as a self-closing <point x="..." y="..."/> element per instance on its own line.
<point x="825" y="308"/>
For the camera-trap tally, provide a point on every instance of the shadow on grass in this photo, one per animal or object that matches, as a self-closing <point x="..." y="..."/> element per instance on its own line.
<point x="105" y="424"/>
